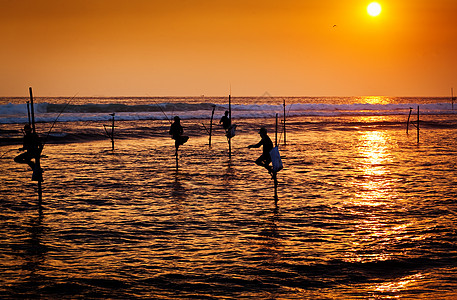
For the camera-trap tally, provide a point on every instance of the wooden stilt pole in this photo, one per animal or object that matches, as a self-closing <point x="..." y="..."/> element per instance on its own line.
<point x="112" y="133"/>
<point x="230" y="117"/>
<point x="284" y="121"/>
<point x="275" y="177"/>
<point x="275" y="180"/>
<point x="407" y="123"/>
<point x="32" y="110"/>
<point x="418" y="124"/>
<point x="211" y="126"/>
<point x="37" y="158"/>
<point x="28" y="113"/>
<point x="230" y="148"/>
<point x="276" y="131"/>
<point x="176" y="156"/>
<point x="452" y="98"/>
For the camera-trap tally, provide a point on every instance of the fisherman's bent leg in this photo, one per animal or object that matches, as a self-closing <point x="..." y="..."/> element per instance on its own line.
<point x="25" y="158"/>
<point x="263" y="161"/>
<point x="260" y="161"/>
<point x="21" y="158"/>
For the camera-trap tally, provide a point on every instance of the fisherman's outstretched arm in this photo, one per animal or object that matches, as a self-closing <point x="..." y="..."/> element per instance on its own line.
<point x="256" y="145"/>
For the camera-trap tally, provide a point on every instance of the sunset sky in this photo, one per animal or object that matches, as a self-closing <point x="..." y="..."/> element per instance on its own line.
<point x="190" y="48"/>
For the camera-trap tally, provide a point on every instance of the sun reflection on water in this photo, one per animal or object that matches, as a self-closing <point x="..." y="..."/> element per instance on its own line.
<point x="399" y="285"/>
<point x="373" y="159"/>
<point x="347" y="223"/>
<point x="373" y="147"/>
<point x="375" y="100"/>
<point x="374" y="195"/>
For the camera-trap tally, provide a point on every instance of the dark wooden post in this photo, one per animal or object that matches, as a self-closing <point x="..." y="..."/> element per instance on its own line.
<point x="37" y="158"/>
<point x="275" y="174"/>
<point x="284" y="121"/>
<point x="418" y="124"/>
<point x="407" y="123"/>
<point x="275" y="180"/>
<point x="111" y="135"/>
<point x="176" y="157"/>
<point x="452" y="98"/>
<point x="276" y="131"/>
<point x="112" y="132"/>
<point x="230" y="117"/>
<point x="28" y="113"/>
<point x="211" y="125"/>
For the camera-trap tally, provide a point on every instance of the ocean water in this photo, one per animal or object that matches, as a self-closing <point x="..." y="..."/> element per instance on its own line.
<point x="363" y="209"/>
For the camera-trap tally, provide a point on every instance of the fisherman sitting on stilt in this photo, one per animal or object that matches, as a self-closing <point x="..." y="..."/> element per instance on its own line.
<point x="264" y="160"/>
<point x="225" y="120"/>
<point x="227" y="125"/>
<point x="176" y="132"/>
<point x="32" y="146"/>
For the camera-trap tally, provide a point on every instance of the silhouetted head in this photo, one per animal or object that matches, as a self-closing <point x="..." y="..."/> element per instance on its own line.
<point x="177" y="119"/>
<point x="226" y="113"/>
<point x="263" y="131"/>
<point x="27" y="128"/>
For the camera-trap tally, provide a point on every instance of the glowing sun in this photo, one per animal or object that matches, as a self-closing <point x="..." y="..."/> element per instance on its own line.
<point x="374" y="9"/>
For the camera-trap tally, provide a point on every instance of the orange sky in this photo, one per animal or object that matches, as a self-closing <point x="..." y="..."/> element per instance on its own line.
<point x="195" y="47"/>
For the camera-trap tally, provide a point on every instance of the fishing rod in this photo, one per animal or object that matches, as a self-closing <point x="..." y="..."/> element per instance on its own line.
<point x="29" y="122"/>
<point x="54" y="123"/>
<point x="160" y="107"/>
<point x="164" y="113"/>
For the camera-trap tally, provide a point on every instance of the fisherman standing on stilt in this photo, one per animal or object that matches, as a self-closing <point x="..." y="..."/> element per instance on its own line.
<point x="176" y="132"/>
<point x="32" y="146"/>
<point x="264" y="160"/>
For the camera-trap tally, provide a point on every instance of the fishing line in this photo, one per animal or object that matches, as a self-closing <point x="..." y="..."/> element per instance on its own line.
<point x="164" y="113"/>
<point x="47" y="135"/>
<point x="54" y="123"/>
<point x="204" y="127"/>
<point x="160" y="107"/>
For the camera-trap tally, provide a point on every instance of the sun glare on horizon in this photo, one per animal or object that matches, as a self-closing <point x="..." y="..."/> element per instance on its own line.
<point x="374" y="9"/>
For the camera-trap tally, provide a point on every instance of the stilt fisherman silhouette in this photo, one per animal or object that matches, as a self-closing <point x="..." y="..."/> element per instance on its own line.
<point x="32" y="146"/>
<point x="264" y="160"/>
<point x="176" y="132"/>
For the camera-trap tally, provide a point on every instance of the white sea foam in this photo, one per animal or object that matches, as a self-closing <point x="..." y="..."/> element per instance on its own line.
<point x="46" y="112"/>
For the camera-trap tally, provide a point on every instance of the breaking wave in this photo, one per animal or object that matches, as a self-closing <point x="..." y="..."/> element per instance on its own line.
<point x="47" y="112"/>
